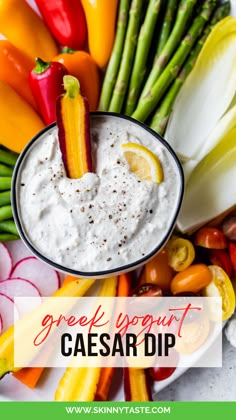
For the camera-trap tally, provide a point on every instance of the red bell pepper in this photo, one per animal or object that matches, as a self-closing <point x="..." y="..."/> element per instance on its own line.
<point x="46" y="82"/>
<point x="66" y="21"/>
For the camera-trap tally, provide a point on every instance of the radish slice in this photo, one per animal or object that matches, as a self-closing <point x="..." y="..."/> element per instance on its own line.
<point x="18" y="251"/>
<point x="1" y="325"/>
<point x="45" y="279"/>
<point x="7" y="311"/>
<point x="18" y="288"/>
<point x="5" y="262"/>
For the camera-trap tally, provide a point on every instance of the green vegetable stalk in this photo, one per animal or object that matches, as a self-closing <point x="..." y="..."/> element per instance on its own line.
<point x="5" y="213"/>
<point x="151" y="100"/>
<point x="130" y="44"/>
<point x="8" y="158"/>
<point x="5" y="198"/>
<point x="5" y="183"/>
<point x="171" y="6"/>
<point x="161" y="117"/>
<point x="8" y="226"/>
<point x="114" y="62"/>
<point x="141" y="56"/>
<point x="5" y="170"/>
<point x="184" y="12"/>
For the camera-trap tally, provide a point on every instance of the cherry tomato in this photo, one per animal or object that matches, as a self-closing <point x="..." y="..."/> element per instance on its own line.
<point x="192" y="279"/>
<point x="166" y="365"/>
<point x="193" y="335"/>
<point x="158" y="271"/>
<point x="147" y="290"/>
<point x="221" y="286"/>
<point x="181" y="253"/>
<point x="210" y="237"/>
<point x="221" y="258"/>
<point x="229" y="226"/>
<point x="232" y="253"/>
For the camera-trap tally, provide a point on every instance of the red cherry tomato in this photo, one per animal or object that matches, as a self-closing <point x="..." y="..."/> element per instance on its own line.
<point x="147" y="290"/>
<point x="210" y="237"/>
<point x="232" y="253"/>
<point x="221" y="258"/>
<point x="165" y="366"/>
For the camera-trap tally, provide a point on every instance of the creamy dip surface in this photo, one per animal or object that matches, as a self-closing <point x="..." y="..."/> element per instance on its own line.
<point x="106" y="219"/>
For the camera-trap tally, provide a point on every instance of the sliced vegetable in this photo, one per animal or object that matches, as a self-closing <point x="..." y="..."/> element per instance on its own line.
<point x="221" y="258"/>
<point x="229" y="226"/>
<point x="26" y="30"/>
<point x="74" y="129"/>
<point x="18" y="288"/>
<point x="19" y="122"/>
<point x="1" y="325"/>
<point x="7" y="312"/>
<point x="158" y="271"/>
<point x="221" y="286"/>
<point x="144" y="163"/>
<point x="29" y="376"/>
<point x="214" y="173"/>
<point x="192" y="279"/>
<point x="136" y="385"/>
<point x="46" y="82"/>
<point x="40" y="274"/>
<point x="18" y="251"/>
<point x="101" y="19"/>
<point x="181" y="253"/>
<point x="81" y="65"/>
<point x="73" y="289"/>
<point x="66" y="21"/>
<point x="200" y="99"/>
<point x="210" y="237"/>
<point x="80" y="383"/>
<point x="5" y="262"/>
<point x="193" y="335"/>
<point x="14" y="70"/>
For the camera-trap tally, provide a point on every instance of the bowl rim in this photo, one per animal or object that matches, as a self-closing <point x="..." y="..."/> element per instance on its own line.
<point x="103" y="273"/>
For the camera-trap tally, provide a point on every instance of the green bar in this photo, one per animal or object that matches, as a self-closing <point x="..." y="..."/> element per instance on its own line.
<point x="118" y="410"/>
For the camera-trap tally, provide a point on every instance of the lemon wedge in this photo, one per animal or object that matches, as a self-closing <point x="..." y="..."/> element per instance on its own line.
<point x="143" y="162"/>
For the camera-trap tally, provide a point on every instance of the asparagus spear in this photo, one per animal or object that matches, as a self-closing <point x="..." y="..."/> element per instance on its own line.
<point x="184" y="11"/>
<point x="5" y="198"/>
<point x="121" y="85"/>
<point x="114" y="62"/>
<point x="5" y="213"/>
<point x="152" y="98"/>
<point x="9" y="227"/>
<point x="6" y="237"/>
<point x="7" y="157"/>
<point x="167" y="25"/>
<point x="5" y="170"/>
<point x="161" y="117"/>
<point x="143" y="47"/>
<point x="5" y="183"/>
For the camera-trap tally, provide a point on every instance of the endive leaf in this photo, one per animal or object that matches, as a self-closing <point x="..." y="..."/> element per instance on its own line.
<point x="210" y="189"/>
<point x="224" y="125"/>
<point x="206" y="94"/>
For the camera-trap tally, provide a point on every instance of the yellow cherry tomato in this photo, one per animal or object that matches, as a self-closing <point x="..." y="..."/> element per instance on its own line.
<point x="221" y="286"/>
<point x="192" y="279"/>
<point x="158" y="271"/>
<point x="181" y="253"/>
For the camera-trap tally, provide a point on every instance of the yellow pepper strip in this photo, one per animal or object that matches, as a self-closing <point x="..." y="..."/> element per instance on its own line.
<point x="25" y="29"/>
<point x="19" y="122"/>
<point x="80" y="383"/>
<point x="73" y="289"/>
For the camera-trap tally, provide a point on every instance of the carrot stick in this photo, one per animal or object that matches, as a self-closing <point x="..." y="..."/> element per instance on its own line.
<point x="107" y="373"/>
<point x="29" y="376"/>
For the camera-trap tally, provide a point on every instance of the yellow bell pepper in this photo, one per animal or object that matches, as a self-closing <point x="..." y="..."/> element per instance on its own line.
<point x="19" y="122"/>
<point x="25" y="29"/>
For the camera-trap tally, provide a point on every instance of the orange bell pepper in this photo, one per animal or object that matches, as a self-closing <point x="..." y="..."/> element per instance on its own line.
<point x="19" y="122"/>
<point x="14" y="70"/>
<point x="81" y="65"/>
<point x="21" y="25"/>
<point x="101" y="23"/>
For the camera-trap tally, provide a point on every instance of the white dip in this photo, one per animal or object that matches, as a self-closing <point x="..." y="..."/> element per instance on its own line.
<point x="106" y="219"/>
